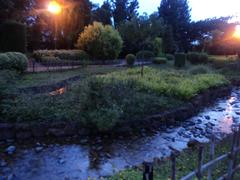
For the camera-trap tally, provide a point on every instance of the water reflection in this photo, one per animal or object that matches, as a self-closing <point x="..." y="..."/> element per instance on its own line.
<point x="103" y="157"/>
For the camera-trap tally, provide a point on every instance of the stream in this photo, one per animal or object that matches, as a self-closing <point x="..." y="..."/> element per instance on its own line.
<point x="103" y="157"/>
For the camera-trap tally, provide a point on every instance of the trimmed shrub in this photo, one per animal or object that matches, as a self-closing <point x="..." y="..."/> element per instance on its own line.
<point x="197" y="58"/>
<point x="13" y="37"/>
<point x="200" y="69"/>
<point x="130" y="59"/>
<point x="170" y="57"/>
<point x="180" y="60"/>
<point x="61" y="54"/>
<point x="158" y="46"/>
<point x="145" y="55"/>
<point x="101" y="42"/>
<point x="160" y="60"/>
<point x="13" y="60"/>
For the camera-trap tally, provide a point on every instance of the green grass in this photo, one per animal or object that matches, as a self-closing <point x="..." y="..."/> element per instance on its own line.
<point x="170" y="83"/>
<point x="46" y="78"/>
<point x="186" y="162"/>
<point x="103" y="102"/>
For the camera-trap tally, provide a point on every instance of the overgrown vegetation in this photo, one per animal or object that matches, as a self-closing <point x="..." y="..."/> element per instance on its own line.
<point x="104" y="101"/>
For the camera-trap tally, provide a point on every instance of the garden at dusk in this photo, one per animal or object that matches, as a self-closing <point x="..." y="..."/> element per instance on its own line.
<point x="119" y="89"/>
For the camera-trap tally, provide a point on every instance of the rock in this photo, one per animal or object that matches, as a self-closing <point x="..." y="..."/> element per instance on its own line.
<point x="207" y="117"/>
<point x="56" y="132"/>
<point x="38" y="149"/>
<point x="6" y="131"/>
<point x="10" y="140"/>
<point x="10" y="150"/>
<point x="61" y="161"/>
<point x="83" y="141"/>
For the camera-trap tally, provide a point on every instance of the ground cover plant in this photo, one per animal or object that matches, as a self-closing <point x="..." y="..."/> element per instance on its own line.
<point x="102" y="102"/>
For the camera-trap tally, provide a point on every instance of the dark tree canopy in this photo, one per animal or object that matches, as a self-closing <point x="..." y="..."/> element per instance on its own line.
<point x="124" y="10"/>
<point x="103" y="14"/>
<point x="176" y="13"/>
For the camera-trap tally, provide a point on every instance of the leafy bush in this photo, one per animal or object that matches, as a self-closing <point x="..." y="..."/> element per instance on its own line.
<point x="130" y="59"/>
<point x="61" y="54"/>
<point x="200" y="69"/>
<point x="13" y="37"/>
<point x="101" y="42"/>
<point x="159" y="60"/>
<point x="180" y="60"/>
<point x="13" y="60"/>
<point x="145" y="55"/>
<point x="170" y="57"/>
<point x="197" y="58"/>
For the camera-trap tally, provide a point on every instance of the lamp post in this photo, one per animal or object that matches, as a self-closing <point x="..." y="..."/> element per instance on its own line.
<point x="55" y="8"/>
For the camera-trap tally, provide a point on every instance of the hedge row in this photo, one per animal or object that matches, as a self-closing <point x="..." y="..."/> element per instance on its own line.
<point x="61" y="54"/>
<point x="13" y="61"/>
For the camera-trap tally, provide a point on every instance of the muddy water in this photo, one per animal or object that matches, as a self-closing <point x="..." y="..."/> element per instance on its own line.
<point x="103" y="157"/>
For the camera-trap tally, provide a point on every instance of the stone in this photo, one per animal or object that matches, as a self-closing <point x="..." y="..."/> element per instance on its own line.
<point x="10" y="150"/>
<point x="10" y="177"/>
<point x="6" y="131"/>
<point x="61" y="161"/>
<point x="207" y="117"/>
<point x="38" y="149"/>
<point x="56" y="132"/>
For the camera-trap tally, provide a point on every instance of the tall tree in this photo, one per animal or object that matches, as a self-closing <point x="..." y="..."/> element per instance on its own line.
<point x="103" y="14"/>
<point x="176" y="13"/>
<point x="124" y="10"/>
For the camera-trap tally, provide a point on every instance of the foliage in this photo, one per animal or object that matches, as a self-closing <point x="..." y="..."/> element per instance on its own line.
<point x="160" y="60"/>
<point x="124" y="10"/>
<point x="13" y="37"/>
<point x="170" y="57"/>
<point x="61" y="54"/>
<point x="103" y="14"/>
<point x="139" y="33"/>
<point x="145" y="55"/>
<point x="180" y="60"/>
<point x="130" y="59"/>
<point x="13" y="61"/>
<point x="101" y="42"/>
<point x="158" y="46"/>
<point x="200" y="69"/>
<point x="170" y="83"/>
<point x="169" y="44"/>
<point x="197" y="58"/>
<point x="177" y="15"/>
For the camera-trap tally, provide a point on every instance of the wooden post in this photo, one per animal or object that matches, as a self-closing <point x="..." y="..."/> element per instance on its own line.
<point x="148" y="171"/>
<point x="200" y="162"/>
<point x="173" y="158"/>
<point x="212" y="152"/>
<point x="231" y="157"/>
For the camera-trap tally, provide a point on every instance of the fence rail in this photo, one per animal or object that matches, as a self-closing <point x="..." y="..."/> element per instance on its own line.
<point x="201" y="168"/>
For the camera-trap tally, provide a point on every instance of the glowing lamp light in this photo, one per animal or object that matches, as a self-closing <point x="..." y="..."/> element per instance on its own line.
<point x="54" y="7"/>
<point x="237" y="32"/>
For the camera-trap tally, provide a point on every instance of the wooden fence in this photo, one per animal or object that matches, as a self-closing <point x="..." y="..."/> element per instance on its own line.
<point x="201" y="168"/>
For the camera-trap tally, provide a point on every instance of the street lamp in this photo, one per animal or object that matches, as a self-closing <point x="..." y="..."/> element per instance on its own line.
<point x="55" y="8"/>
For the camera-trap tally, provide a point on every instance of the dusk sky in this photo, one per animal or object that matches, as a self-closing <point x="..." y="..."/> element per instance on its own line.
<point x="201" y="9"/>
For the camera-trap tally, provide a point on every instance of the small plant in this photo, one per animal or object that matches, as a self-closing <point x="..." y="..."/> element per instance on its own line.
<point x="170" y="57"/>
<point x="180" y="60"/>
<point x="160" y="60"/>
<point x="130" y="59"/>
